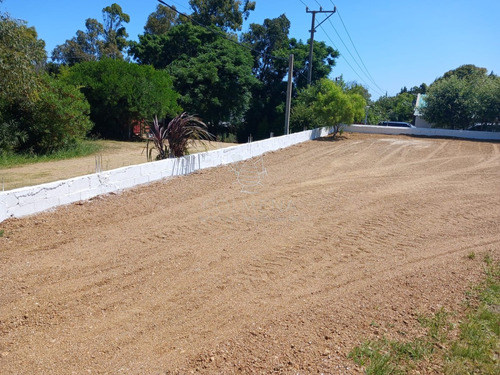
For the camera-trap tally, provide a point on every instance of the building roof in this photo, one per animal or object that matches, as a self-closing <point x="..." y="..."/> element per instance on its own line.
<point x="419" y="104"/>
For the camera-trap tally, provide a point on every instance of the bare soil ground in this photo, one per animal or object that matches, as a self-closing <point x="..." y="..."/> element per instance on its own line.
<point x="114" y="155"/>
<point x="341" y="241"/>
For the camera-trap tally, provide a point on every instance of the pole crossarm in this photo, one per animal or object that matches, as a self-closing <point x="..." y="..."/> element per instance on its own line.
<point x="321" y="11"/>
<point x="313" y="30"/>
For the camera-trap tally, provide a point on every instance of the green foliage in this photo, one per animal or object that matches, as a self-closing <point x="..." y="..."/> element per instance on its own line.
<point x="215" y="83"/>
<point x="266" y="40"/>
<point x="181" y="41"/>
<point x="11" y="137"/>
<point x="389" y="356"/>
<point x="172" y="140"/>
<point x="120" y="93"/>
<point x="463" y="97"/>
<point x="226" y="14"/>
<point x="100" y="40"/>
<point x="60" y="117"/>
<point x="326" y="104"/>
<point x="474" y="351"/>
<point x="38" y="113"/>
<point x="161" y="20"/>
<point x="80" y="149"/>
<point x="393" y="108"/>
<point x="22" y="55"/>
<point x="323" y="61"/>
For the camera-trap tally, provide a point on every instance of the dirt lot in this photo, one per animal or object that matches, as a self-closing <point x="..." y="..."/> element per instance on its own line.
<point x="341" y="241"/>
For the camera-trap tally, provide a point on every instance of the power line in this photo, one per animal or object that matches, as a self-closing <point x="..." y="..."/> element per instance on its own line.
<point x="224" y="35"/>
<point x="221" y="33"/>
<point x="350" y="66"/>
<point x="356" y="50"/>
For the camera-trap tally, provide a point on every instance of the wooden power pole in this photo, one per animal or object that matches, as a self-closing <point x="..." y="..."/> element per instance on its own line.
<point x="313" y="30"/>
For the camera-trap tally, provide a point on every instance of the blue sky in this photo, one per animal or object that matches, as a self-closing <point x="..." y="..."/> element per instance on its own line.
<point x="400" y="42"/>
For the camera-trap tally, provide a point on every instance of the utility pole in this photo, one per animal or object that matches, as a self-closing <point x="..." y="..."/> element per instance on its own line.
<point x="313" y="30"/>
<point x="289" y="95"/>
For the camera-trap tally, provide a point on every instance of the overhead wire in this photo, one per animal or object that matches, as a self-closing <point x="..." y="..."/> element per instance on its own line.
<point x="224" y="35"/>
<point x="355" y="49"/>
<point x="374" y="86"/>
<point x="349" y="64"/>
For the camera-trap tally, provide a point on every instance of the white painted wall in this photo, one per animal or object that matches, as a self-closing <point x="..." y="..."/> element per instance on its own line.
<point x="30" y="200"/>
<point x="426" y="132"/>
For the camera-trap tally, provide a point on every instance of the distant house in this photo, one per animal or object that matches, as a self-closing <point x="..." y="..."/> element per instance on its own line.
<point x="418" y="119"/>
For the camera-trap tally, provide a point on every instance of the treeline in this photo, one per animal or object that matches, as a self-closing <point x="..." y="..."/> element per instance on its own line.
<point x="459" y="99"/>
<point x="100" y="83"/>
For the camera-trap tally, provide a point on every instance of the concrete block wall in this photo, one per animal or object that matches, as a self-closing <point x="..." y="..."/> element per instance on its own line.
<point x="428" y="132"/>
<point x="34" y="199"/>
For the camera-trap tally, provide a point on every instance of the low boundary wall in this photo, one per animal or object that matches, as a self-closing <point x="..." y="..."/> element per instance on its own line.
<point x="34" y="199"/>
<point x="425" y="132"/>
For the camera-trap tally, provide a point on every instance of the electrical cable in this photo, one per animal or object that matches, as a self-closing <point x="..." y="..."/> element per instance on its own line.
<point x="355" y="49"/>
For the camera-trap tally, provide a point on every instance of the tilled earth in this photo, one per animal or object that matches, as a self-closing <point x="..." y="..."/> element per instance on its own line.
<point x="241" y="269"/>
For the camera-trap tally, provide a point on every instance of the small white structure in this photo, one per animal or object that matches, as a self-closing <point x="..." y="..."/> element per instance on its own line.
<point x="419" y="120"/>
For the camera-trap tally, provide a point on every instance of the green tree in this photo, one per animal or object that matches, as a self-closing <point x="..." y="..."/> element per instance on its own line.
<point x="226" y="14"/>
<point x="22" y="56"/>
<point x="121" y="93"/>
<point x="451" y="103"/>
<point x="85" y="46"/>
<point x="265" y="41"/>
<point x="269" y="43"/>
<point x="323" y="61"/>
<point x="60" y="117"/>
<point x="115" y="35"/>
<point x="468" y="72"/>
<point x="393" y="108"/>
<point x="327" y="104"/>
<point x="107" y="39"/>
<point x="215" y="84"/>
<point x="463" y="97"/>
<point x="183" y="40"/>
<point x="161" y="20"/>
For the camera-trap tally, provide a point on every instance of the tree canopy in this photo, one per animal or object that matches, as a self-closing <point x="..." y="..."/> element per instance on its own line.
<point x="327" y="104"/>
<point x="225" y="14"/>
<point x="22" y="56"/>
<point x="463" y="97"/>
<point x="215" y="83"/>
<point x="120" y="93"/>
<point x="107" y="39"/>
<point x="161" y="20"/>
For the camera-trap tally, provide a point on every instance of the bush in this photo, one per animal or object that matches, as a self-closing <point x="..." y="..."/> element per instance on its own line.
<point x="121" y="93"/>
<point x="11" y="136"/>
<point x="60" y="117"/>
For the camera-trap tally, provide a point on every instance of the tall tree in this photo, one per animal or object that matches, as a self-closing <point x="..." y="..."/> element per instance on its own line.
<point x="326" y="103"/>
<point x="266" y="40"/>
<point x="115" y="35"/>
<point x="22" y="55"/>
<point x="269" y="43"/>
<point x="226" y="14"/>
<point x="107" y="39"/>
<point x="215" y="83"/>
<point x="161" y="20"/>
<point x="161" y="50"/>
<point x="85" y="46"/>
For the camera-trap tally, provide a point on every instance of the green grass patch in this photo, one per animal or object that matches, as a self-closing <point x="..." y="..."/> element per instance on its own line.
<point x="476" y="349"/>
<point x="83" y="148"/>
<point x="2" y="233"/>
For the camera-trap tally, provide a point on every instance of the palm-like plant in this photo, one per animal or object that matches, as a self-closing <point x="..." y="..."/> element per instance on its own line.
<point x="173" y="139"/>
